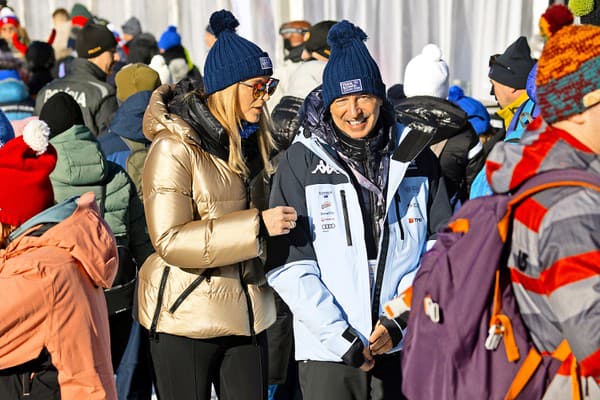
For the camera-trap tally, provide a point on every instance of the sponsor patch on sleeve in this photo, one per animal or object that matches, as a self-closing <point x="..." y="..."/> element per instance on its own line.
<point x="265" y="63"/>
<point x="351" y="86"/>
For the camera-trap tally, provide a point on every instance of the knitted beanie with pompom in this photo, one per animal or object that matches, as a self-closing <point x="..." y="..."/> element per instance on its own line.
<point x="350" y="69"/>
<point x="25" y="166"/>
<point x="427" y="74"/>
<point x="232" y="58"/>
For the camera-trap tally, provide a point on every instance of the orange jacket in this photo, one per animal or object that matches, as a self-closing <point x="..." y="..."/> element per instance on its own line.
<point x="51" y="297"/>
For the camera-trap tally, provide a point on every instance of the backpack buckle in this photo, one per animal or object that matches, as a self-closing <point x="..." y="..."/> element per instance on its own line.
<point x="432" y="309"/>
<point x="494" y="337"/>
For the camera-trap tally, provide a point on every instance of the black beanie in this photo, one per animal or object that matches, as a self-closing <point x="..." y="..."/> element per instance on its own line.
<point x="93" y="40"/>
<point x="512" y="67"/>
<point x="315" y="39"/>
<point x="39" y="56"/>
<point x="61" y="112"/>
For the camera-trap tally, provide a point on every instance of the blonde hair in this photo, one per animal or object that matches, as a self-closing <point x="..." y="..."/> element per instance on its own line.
<point x="224" y="106"/>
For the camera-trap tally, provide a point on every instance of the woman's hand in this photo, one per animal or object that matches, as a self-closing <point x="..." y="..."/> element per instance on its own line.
<point x="279" y="220"/>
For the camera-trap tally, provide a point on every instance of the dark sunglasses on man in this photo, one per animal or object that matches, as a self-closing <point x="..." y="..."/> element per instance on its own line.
<point x="260" y="88"/>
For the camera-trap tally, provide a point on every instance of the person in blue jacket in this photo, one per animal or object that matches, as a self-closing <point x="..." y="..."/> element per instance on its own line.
<point x="512" y="75"/>
<point x="369" y="196"/>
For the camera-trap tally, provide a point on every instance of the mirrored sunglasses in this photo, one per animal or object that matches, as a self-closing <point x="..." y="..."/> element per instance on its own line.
<point x="260" y="88"/>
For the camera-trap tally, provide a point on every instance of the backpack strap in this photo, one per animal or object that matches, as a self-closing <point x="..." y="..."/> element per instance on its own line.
<point x="533" y="360"/>
<point x="539" y="183"/>
<point x="501" y="327"/>
<point x="544" y="181"/>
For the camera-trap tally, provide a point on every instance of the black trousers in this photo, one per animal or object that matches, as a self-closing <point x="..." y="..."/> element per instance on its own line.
<point x="336" y="381"/>
<point x="185" y="368"/>
<point x="34" y="380"/>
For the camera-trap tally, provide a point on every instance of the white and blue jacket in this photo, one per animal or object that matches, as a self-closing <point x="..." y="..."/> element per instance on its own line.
<point x="321" y="268"/>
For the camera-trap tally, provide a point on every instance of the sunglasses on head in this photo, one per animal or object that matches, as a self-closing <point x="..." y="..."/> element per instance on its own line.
<point x="260" y="88"/>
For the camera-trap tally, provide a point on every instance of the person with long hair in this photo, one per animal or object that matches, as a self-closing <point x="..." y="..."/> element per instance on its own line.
<point x="203" y="295"/>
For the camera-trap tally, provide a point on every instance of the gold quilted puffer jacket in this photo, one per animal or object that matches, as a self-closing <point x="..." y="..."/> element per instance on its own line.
<point x="206" y="272"/>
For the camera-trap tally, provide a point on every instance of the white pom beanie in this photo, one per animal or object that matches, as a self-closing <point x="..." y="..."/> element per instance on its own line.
<point x="427" y="74"/>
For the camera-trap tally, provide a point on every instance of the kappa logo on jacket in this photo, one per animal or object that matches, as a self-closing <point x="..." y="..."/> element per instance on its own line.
<point x="324" y="168"/>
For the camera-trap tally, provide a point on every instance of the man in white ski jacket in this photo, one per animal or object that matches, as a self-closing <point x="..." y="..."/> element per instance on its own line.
<point x="368" y="200"/>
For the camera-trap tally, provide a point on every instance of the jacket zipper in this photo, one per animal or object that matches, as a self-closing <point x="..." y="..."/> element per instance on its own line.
<point x="188" y="290"/>
<point x="397" y="202"/>
<point x="380" y="270"/>
<point x="161" y="290"/>
<point x="249" y="303"/>
<point x="346" y="219"/>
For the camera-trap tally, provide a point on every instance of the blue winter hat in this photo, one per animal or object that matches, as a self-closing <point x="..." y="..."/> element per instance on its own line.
<point x="6" y="130"/>
<point x="9" y="74"/>
<point x="476" y="111"/>
<point x="169" y="38"/>
<point x="350" y="68"/>
<point x="232" y="58"/>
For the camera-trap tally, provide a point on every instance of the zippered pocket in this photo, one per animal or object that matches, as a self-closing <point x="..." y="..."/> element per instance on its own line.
<point x="398" y="216"/>
<point x="346" y="218"/>
<point x="204" y="276"/>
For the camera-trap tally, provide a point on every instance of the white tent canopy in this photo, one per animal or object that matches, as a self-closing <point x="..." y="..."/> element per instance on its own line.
<point x="467" y="31"/>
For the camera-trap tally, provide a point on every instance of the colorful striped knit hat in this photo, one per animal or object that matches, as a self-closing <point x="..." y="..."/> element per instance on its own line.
<point x="568" y="78"/>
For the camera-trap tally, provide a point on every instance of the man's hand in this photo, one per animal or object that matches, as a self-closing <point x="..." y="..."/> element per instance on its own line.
<point x="380" y="340"/>
<point x="279" y="220"/>
<point x="369" y="361"/>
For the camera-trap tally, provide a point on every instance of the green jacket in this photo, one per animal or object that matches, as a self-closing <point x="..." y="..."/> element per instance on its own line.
<point x="82" y="167"/>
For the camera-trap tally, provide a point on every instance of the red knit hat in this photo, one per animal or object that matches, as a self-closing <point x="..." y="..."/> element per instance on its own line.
<point x="25" y="166"/>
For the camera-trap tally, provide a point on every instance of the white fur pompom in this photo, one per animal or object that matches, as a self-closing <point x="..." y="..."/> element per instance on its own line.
<point x="432" y="52"/>
<point x="36" y="134"/>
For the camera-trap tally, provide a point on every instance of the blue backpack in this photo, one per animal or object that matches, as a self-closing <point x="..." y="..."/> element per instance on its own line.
<point x="466" y="338"/>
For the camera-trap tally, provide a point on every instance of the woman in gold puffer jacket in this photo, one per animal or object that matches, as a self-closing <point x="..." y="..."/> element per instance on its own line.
<point x="203" y="295"/>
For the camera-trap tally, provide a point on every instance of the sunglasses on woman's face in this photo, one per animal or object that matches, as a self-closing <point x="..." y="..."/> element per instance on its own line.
<point x="260" y="88"/>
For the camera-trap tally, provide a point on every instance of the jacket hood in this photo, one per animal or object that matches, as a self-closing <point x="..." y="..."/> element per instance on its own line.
<point x="158" y="119"/>
<point x="80" y="160"/>
<point x="542" y="148"/>
<point x="531" y="88"/>
<point x="432" y="115"/>
<point x="312" y="112"/>
<point x="127" y="121"/>
<point x="77" y="227"/>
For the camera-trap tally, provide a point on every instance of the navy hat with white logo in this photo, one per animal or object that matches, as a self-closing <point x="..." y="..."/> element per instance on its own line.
<point x="232" y="58"/>
<point x="350" y="69"/>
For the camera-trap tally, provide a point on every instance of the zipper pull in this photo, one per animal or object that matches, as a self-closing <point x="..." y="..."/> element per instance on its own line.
<point x="432" y="309"/>
<point x="494" y="337"/>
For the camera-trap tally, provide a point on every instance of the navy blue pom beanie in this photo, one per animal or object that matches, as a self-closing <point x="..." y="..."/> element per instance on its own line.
<point x="232" y="58"/>
<point x="350" y="68"/>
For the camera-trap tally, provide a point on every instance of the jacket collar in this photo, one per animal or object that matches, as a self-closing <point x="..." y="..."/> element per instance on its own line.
<point x="81" y="66"/>
<point x="212" y="136"/>
<point x="507" y="113"/>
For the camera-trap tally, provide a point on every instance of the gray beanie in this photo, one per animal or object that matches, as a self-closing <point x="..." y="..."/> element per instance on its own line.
<point x="132" y="26"/>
